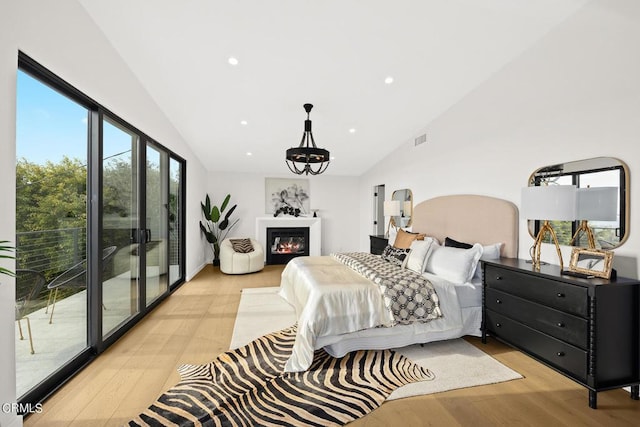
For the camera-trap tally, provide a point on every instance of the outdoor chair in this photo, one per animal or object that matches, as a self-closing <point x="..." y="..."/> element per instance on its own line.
<point x="29" y="284"/>
<point x="74" y="277"/>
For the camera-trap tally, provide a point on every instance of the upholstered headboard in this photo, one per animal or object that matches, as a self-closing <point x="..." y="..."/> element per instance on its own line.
<point x="471" y="219"/>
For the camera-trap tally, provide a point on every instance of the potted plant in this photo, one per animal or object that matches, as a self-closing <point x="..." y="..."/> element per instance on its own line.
<point x="216" y="227"/>
<point x="5" y="248"/>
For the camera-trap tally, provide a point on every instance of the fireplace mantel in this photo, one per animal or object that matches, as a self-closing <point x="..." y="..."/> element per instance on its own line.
<point x="314" y="224"/>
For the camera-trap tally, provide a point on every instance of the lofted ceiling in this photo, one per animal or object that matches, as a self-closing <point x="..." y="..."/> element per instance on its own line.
<point x="334" y="54"/>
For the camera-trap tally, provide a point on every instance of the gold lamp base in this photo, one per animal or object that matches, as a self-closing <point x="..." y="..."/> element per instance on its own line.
<point x="389" y="228"/>
<point x="584" y="228"/>
<point x="544" y="230"/>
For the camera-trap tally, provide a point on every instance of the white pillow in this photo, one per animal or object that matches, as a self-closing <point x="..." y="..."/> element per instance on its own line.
<point x="420" y="250"/>
<point x="454" y="264"/>
<point x="489" y="252"/>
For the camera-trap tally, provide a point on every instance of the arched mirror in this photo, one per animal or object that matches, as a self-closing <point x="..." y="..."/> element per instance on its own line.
<point x="608" y="215"/>
<point x="405" y="198"/>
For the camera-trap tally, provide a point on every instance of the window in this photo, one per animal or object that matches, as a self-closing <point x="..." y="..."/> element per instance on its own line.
<point x="51" y="231"/>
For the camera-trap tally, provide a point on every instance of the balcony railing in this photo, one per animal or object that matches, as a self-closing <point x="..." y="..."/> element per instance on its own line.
<point x="53" y="251"/>
<point x="50" y="251"/>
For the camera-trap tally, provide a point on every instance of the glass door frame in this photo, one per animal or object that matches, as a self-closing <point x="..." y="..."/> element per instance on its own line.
<point x="182" y="213"/>
<point x="163" y="224"/>
<point x="96" y="343"/>
<point x="47" y="386"/>
<point x="96" y="301"/>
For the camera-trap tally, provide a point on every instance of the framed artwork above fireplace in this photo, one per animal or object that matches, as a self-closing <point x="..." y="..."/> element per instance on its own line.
<point x="281" y="192"/>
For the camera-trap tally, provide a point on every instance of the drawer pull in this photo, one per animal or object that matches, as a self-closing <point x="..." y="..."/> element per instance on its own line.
<point x="560" y="325"/>
<point x="560" y="354"/>
<point x="499" y="301"/>
<point x="498" y="325"/>
<point x="560" y="295"/>
<point x="498" y="277"/>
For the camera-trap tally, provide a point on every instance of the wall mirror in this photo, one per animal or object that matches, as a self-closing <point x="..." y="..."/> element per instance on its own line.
<point x="405" y="198"/>
<point x="609" y="230"/>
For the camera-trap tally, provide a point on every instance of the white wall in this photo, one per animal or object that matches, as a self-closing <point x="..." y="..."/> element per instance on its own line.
<point x="336" y="197"/>
<point x="62" y="37"/>
<point x="573" y="95"/>
<point x="8" y="61"/>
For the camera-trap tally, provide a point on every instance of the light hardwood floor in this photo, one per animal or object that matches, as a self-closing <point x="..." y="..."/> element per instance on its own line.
<point x="195" y="324"/>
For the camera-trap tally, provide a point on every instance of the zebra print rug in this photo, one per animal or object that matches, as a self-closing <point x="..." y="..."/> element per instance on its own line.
<point x="247" y="387"/>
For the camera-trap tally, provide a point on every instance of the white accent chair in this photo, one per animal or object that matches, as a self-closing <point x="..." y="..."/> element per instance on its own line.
<point x="232" y="262"/>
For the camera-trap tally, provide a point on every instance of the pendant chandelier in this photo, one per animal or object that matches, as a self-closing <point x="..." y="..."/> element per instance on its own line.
<point x="307" y="158"/>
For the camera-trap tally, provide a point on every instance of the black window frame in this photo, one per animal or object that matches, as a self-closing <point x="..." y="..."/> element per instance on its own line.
<point x="96" y="343"/>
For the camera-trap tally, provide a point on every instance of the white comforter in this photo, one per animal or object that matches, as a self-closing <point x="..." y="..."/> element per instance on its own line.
<point x="331" y="299"/>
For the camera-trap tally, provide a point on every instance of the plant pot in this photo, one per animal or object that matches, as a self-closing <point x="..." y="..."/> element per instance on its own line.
<point x="216" y="262"/>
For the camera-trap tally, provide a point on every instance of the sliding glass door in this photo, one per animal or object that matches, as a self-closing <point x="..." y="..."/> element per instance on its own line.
<point x="100" y="229"/>
<point x="120" y="226"/>
<point x="135" y="224"/>
<point x="176" y="202"/>
<point x="156" y="224"/>
<point x="51" y="231"/>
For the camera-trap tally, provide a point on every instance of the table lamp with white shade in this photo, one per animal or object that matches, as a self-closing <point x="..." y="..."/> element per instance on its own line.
<point x="406" y="209"/>
<point x="595" y="204"/>
<point x="391" y="209"/>
<point x="548" y="203"/>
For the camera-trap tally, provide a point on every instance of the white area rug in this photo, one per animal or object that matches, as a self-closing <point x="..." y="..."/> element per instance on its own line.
<point x="456" y="363"/>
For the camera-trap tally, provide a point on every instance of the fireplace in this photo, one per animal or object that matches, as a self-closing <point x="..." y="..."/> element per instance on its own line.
<point x="286" y="243"/>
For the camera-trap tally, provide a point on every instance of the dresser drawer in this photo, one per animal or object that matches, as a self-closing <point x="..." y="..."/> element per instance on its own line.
<point x="558" y="324"/>
<point x="562" y="296"/>
<point x="556" y="353"/>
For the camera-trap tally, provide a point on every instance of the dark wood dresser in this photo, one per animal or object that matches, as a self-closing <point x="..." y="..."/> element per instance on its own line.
<point x="586" y="329"/>
<point x="378" y="243"/>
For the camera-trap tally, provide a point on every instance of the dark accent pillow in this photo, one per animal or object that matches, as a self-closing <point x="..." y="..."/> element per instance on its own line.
<point x="395" y="256"/>
<point x="455" y="244"/>
<point x="242" y="246"/>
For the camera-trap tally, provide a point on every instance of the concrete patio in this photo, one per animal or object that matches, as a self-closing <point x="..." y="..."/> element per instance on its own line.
<point x="66" y="336"/>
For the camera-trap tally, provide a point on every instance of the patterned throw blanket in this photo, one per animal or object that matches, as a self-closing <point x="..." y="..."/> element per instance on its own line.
<point x="407" y="294"/>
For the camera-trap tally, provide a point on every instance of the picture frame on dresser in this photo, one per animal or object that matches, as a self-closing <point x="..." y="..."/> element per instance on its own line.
<point x="591" y="262"/>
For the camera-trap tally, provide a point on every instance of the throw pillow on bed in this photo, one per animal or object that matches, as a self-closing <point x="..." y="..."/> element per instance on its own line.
<point x="404" y="238"/>
<point x="420" y="250"/>
<point x="489" y="252"/>
<point x="448" y="241"/>
<point x="454" y="264"/>
<point x="395" y="256"/>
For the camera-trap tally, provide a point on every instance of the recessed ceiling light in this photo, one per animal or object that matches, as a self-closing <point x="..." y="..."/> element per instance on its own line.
<point x="352" y="130"/>
<point x="388" y="80"/>
<point x="243" y="122"/>
<point x="233" y="61"/>
<point x="249" y="153"/>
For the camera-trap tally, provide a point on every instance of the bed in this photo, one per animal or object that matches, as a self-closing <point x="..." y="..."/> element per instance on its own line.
<point x="341" y="310"/>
